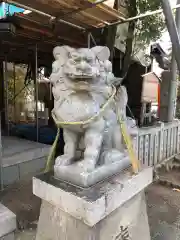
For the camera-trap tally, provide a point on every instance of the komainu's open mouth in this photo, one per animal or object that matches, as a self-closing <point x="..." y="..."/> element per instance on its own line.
<point x="81" y="76"/>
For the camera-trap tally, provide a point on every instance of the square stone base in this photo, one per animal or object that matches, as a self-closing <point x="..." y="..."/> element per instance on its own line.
<point x="114" y="209"/>
<point x="128" y="222"/>
<point x="9" y="236"/>
<point x="7" y="223"/>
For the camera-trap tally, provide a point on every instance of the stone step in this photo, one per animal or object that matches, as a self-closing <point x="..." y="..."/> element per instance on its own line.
<point x="170" y="177"/>
<point x="22" y="158"/>
<point x="177" y="159"/>
<point x="7" y="223"/>
<point x="169" y="173"/>
<point x="172" y="164"/>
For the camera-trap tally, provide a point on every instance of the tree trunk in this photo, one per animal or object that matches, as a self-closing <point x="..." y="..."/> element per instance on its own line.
<point x="132" y="9"/>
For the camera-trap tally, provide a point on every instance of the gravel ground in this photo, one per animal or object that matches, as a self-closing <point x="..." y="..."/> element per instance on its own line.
<point x="163" y="212"/>
<point x="28" y="234"/>
<point x="20" y="200"/>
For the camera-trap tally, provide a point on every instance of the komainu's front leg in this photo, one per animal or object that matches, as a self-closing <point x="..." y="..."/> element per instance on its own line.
<point x="93" y="142"/>
<point x="70" y="139"/>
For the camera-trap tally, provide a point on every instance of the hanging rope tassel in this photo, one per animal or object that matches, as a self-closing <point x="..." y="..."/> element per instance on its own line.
<point x="127" y="139"/>
<point x="51" y="157"/>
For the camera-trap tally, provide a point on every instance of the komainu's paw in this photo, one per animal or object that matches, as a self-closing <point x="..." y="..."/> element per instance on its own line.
<point x="63" y="160"/>
<point x="87" y="165"/>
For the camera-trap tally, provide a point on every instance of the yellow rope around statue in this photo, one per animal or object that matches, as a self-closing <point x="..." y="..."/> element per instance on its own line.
<point x="91" y="119"/>
<point x="127" y="138"/>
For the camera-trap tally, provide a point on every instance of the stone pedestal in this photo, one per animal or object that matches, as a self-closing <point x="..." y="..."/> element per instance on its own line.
<point x="114" y="209"/>
<point x="7" y="223"/>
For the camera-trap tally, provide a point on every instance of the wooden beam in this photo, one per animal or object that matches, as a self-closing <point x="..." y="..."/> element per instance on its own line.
<point x="58" y="34"/>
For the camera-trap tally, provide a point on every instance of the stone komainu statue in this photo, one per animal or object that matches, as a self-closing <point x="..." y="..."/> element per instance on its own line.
<point x="86" y="106"/>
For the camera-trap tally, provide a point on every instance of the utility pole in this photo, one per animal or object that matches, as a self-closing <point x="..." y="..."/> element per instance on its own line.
<point x="174" y="80"/>
<point x="174" y="30"/>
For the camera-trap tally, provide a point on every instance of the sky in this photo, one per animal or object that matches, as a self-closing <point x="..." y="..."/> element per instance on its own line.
<point x="165" y="39"/>
<point x="165" y="43"/>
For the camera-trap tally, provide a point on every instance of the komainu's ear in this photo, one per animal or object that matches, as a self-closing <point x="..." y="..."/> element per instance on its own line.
<point x="61" y="53"/>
